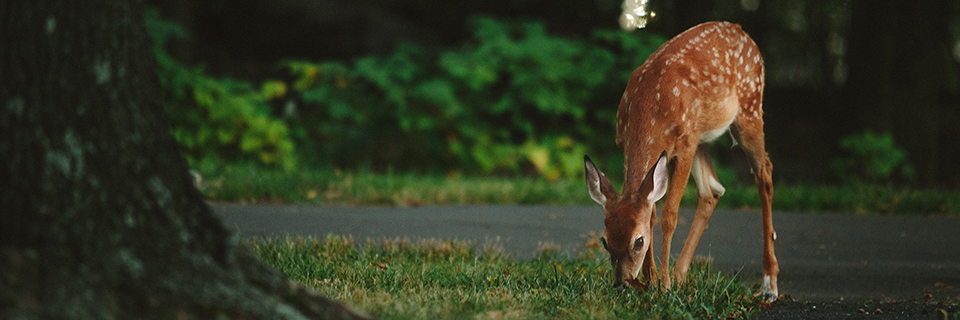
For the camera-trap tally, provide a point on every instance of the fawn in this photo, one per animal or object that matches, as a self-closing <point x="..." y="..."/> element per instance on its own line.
<point x="695" y="87"/>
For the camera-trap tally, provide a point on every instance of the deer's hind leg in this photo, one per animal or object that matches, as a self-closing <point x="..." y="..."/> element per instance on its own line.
<point x="749" y="133"/>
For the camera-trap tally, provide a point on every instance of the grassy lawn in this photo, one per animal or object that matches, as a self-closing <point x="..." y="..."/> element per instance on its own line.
<point x="444" y="279"/>
<point x="433" y="279"/>
<point x="254" y="184"/>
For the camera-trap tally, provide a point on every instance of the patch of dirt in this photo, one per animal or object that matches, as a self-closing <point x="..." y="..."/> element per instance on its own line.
<point x="924" y="308"/>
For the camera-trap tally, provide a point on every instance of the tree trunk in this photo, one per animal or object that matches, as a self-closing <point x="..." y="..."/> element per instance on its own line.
<point x="98" y="215"/>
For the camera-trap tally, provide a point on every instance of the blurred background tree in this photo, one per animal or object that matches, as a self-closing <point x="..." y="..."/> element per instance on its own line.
<point x="428" y="86"/>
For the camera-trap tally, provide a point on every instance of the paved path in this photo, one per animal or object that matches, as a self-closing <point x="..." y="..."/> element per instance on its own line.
<point x="822" y="256"/>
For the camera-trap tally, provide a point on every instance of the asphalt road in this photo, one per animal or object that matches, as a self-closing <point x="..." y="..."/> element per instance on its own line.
<point x="823" y="257"/>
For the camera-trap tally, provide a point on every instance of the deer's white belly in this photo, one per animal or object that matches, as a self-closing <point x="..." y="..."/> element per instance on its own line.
<point x="723" y="114"/>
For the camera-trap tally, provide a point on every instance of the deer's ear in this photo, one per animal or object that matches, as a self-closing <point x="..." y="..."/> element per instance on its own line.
<point x="655" y="183"/>
<point x="598" y="185"/>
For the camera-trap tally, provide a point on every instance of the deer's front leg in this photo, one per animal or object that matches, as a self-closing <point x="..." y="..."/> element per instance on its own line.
<point x="649" y="266"/>
<point x="668" y="216"/>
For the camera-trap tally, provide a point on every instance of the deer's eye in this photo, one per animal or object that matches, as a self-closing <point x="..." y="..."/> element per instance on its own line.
<point x="604" y="242"/>
<point x="637" y="245"/>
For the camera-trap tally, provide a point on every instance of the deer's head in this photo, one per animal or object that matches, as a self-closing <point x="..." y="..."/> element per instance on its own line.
<point x="629" y="227"/>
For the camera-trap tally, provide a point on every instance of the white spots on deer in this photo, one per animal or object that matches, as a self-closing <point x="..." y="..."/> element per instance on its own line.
<point x="670" y="128"/>
<point x="704" y="85"/>
<point x="712" y="64"/>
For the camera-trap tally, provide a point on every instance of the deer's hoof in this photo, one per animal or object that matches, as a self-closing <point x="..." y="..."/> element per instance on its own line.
<point x="769" y="289"/>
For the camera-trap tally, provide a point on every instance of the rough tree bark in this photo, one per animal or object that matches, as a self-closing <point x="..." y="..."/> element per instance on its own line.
<point x="98" y="215"/>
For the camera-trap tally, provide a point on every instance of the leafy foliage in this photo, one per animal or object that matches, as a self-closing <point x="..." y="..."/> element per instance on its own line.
<point x="513" y="100"/>
<point x="871" y="158"/>
<point x="216" y="120"/>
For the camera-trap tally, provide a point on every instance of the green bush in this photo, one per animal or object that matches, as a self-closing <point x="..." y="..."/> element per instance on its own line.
<point x="513" y="100"/>
<point x="216" y="120"/>
<point x="871" y="158"/>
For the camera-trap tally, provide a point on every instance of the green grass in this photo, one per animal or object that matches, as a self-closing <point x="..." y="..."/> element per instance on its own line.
<point x="432" y="279"/>
<point x="255" y="184"/>
<point x="252" y="184"/>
